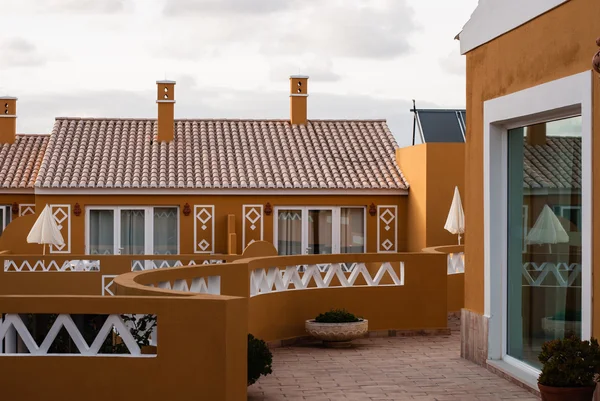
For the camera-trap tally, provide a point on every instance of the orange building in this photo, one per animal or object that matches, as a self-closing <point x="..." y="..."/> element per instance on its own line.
<point x="532" y="112"/>
<point x="166" y="186"/>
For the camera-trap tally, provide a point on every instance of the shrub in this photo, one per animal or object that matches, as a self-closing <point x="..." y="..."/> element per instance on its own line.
<point x="569" y="362"/>
<point x="259" y="359"/>
<point x="337" y="316"/>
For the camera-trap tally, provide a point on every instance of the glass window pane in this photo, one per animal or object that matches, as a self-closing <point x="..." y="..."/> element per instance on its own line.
<point x="320" y="230"/>
<point x="289" y="232"/>
<point x="132" y="232"/>
<point x="352" y="230"/>
<point x="544" y="236"/>
<point x="102" y="234"/>
<point x="1" y="220"/>
<point x="165" y="231"/>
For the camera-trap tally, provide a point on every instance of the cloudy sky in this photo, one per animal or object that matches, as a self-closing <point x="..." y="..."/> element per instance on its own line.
<point x="231" y="58"/>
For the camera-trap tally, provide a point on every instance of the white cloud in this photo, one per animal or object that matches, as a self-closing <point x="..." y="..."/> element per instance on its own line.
<point x="85" y="6"/>
<point x="335" y="28"/>
<point x="318" y="68"/>
<point x="19" y="52"/>
<point x="454" y="63"/>
<point x="187" y="7"/>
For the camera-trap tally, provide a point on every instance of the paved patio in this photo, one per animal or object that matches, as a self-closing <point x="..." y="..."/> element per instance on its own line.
<point x="394" y="368"/>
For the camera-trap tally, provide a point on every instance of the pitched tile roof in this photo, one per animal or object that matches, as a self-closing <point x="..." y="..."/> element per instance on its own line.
<point x="20" y="161"/>
<point x="555" y="165"/>
<point x="244" y="154"/>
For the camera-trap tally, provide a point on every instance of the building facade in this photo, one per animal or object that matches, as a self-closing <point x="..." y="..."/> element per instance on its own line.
<point x="532" y="109"/>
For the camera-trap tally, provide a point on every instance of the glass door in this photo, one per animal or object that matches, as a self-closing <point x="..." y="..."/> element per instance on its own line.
<point x="289" y="231"/>
<point x="319" y="232"/>
<point x="133" y="232"/>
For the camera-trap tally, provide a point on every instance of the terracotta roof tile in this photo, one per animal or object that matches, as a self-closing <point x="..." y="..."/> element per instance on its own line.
<point x="20" y="161"/>
<point x="246" y="154"/>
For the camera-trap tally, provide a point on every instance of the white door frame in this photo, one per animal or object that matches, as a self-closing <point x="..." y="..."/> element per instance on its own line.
<point x="566" y="97"/>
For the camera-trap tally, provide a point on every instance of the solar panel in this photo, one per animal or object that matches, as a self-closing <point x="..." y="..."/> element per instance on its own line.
<point x="441" y="125"/>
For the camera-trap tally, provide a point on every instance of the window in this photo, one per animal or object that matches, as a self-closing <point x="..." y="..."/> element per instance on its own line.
<point x="5" y="217"/>
<point x="133" y="230"/>
<point x="320" y="230"/>
<point x="544" y="286"/>
<point x="570" y="213"/>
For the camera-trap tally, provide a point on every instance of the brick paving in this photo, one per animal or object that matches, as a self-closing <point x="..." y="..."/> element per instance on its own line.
<point x="393" y="368"/>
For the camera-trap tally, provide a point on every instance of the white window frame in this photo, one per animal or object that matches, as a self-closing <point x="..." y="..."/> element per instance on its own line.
<point x="4" y="209"/>
<point x="148" y="226"/>
<point x="563" y="98"/>
<point x="336" y="222"/>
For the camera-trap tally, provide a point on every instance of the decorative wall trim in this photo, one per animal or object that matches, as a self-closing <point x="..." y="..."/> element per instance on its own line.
<point x="387" y="229"/>
<point x="204" y="229"/>
<point x="26" y="209"/>
<point x="108" y="285"/>
<point x="62" y="216"/>
<point x="252" y="224"/>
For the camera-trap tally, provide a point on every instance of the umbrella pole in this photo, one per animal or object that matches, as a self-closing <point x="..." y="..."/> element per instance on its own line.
<point x="458" y="239"/>
<point x="44" y="250"/>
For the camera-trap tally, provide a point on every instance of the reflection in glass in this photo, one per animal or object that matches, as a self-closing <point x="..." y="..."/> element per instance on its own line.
<point x="165" y="231"/>
<point x="544" y="236"/>
<point x="352" y="230"/>
<point x="289" y="232"/>
<point x="132" y="232"/>
<point x="320" y="229"/>
<point x="102" y="232"/>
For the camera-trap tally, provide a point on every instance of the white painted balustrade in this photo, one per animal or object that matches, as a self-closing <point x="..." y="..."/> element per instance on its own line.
<point x="51" y="266"/>
<point x="289" y="278"/>
<point x="456" y="263"/>
<point x="13" y="327"/>
<point x="199" y="285"/>
<point x="141" y="265"/>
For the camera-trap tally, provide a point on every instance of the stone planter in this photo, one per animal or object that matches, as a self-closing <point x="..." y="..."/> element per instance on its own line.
<point x="337" y="334"/>
<point x="557" y="328"/>
<point x="566" y="393"/>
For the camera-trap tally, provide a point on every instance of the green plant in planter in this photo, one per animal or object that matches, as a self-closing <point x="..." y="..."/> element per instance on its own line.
<point x="259" y="359"/>
<point x="337" y="316"/>
<point x="569" y="362"/>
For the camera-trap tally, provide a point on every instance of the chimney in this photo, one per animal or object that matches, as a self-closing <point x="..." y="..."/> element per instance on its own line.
<point x="536" y="134"/>
<point x="8" y="119"/>
<point x="298" y="99"/>
<point x="166" y="110"/>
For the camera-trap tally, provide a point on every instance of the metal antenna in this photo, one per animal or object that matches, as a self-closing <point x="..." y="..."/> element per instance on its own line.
<point x="414" y="110"/>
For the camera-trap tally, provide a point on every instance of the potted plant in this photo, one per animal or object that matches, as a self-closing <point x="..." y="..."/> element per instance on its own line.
<point x="259" y="359"/>
<point x="337" y="328"/>
<point x="569" y="367"/>
<point x="558" y="325"/>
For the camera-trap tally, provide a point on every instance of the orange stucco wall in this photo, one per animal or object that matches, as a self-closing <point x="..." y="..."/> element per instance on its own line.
<point x="224" y="206"/>
<point x="555" y="45"/>
<point x="201" y="353"/>
<point x="432" y="170"/>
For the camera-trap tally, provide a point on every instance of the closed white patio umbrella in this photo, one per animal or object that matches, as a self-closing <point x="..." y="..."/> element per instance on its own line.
<point x="45" y="230"/>
<point x="547" y="230"/>
<point x="455" y="223"/>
